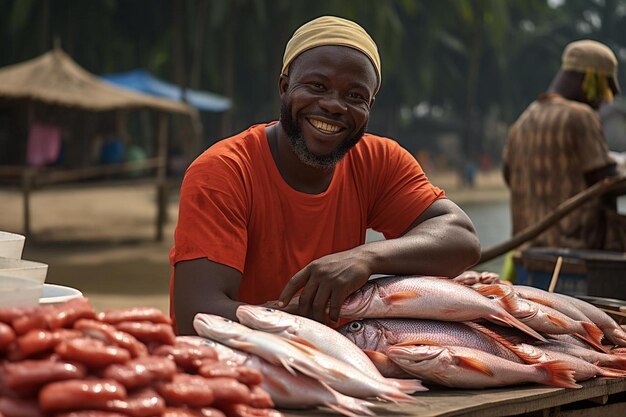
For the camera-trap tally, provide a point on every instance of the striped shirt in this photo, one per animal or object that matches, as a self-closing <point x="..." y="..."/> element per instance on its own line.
<point x="550" y="148"/>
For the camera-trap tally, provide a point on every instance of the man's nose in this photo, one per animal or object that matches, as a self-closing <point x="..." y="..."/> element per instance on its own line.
<point x="333" y="103"/>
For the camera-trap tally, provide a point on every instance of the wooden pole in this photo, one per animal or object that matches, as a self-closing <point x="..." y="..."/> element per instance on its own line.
<point x="555" y="274"/>
<point x="27" y="183"/>
<point x="161" y="175"/>
<point x="559" y="212"/>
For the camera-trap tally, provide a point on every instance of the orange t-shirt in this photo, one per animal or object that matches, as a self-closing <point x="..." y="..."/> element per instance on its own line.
<point x="236" y="209"/>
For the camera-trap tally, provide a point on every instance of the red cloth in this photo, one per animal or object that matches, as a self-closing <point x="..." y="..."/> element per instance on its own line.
<point x="44" y="144"/>
<point x="236" y="209"/>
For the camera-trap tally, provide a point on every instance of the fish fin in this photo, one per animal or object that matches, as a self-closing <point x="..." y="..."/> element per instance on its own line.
<point x="473" y="365"/>
<point x="612" y="372"/>
<point x="520" y="353"/>
<point x="304" y="342"/>
<point x="408" y="386"/>
<point x="595" y="335"/>
<point x="398" y="397"/>
<point x="246" y="346"/>
<point x="509" y="320"/>
<point x="492" y="291"/>
<point x="301" y="347"/>
<point x="557" y="321"/>
<point x="377" y="357"/>
<point x="558" y="374"/>
<point x="287" y="365"/>
<point x="418" y="342"/>
<point x="400" y="296"/>
<point x="276" y="385"/>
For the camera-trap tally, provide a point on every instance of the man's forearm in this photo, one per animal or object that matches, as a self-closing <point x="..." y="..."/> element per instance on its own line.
<point x="222" y="306"/>
<point x="441" y="246"/>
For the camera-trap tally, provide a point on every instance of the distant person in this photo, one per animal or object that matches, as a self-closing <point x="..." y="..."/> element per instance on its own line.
<point x="284" y="206"/>
<point x="556" y="149"/>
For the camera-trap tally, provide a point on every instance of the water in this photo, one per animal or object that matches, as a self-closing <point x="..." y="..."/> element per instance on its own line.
<point x="493" y="225"/>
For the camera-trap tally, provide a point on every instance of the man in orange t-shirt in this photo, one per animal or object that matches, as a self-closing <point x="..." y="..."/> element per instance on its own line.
<point x="285" y="206"/>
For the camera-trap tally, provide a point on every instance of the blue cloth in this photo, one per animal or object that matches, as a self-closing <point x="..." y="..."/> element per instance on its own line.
<point x="144" y="82"/>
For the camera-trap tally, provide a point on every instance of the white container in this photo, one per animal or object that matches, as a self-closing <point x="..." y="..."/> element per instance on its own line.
<point x="57" y="294"/>
<point x="11" y="245"/>
<point x="19" y="292"/>
<point x="21" y="268"/>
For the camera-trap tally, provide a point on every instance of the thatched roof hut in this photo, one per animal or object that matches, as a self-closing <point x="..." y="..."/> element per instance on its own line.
<point x="54" y="78"/>
<point x="56" y="88"/>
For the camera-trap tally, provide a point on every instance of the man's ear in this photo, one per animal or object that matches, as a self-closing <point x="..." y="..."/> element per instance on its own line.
<point x="283" y="84"/>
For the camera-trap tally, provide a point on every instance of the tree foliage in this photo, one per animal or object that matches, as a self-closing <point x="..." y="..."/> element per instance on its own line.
<point x="451" y="64"/>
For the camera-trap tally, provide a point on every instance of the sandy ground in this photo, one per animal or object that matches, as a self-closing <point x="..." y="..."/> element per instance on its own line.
<point x="99" y="237"/>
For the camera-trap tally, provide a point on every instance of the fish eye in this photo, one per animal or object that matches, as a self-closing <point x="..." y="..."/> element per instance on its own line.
<point x="355" y="326"/>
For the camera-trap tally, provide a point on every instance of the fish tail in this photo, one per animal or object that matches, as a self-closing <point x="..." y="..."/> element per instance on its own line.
<point x="557" y="374"/>
<point x="346" y="405"/>
<point x="408" y="386"/>
<point x="612" y="372"/>
<point x="348" y="411"/>
<point x="594" y="336"/>
<point x="509" y="320"/>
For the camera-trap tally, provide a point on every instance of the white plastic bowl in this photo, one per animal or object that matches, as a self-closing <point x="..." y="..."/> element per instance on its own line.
<point x="11" y="245"/>
<point x="56" y="294"/>
<point x="21" y="268"/>
<point x="19" y="292"/>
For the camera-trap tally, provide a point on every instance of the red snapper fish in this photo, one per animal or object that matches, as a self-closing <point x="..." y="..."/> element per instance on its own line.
<point x="295" y="356"/>
<point x="460" y="367"/>
<point x="427" y="298"/>
<point x="317" y="335"/>
<point x="287" y="390"/>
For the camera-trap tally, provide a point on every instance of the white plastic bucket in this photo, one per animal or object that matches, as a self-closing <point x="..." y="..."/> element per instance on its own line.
<point x="19" y="292"/>
<point x="11" y="245"/>
<point x="21" y="268"/>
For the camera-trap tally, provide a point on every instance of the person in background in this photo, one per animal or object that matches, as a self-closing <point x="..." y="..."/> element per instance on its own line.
<point x="284" y="206"/>
<point x="556" y="149"/>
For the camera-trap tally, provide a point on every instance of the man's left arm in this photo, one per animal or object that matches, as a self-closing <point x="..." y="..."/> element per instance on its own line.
<point x="440" y="242"/>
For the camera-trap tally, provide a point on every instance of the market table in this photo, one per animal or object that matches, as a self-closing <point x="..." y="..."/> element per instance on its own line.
<point x="598" y="397"/>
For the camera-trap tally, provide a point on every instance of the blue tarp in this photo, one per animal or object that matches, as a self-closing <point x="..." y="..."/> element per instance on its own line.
<point x="143" y="81"/>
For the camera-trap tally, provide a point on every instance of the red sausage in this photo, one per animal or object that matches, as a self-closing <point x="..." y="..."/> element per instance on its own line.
<point x="185" y="389"/>
<point x="90" y="413"/>
<point x="249" y="376"/>
<point x="39" y="341"/>
<point x="64" y="315"/>
<point x="15" y="407"/>
<point x="228" y="391"/>
<point x="8" y="314"/>
<point x="214" y="369"/>
<point x="153" y="315"/>
<point x="110" y="334"/>
<point x="7" y="336"/>
<point x="260" y="398"/>
<point x="142" y="371"/>
<point x="181" y="412"/>
<point x="143" y="403"/>
<point x="211" y="412"/>
<point x="187" y="357"/>
<point x="91" y="352"/>
<point x="243" y="410"/>
<point x="27" y="376"/>
<point x="76" y="394"/>
<point x="149" y="332"/>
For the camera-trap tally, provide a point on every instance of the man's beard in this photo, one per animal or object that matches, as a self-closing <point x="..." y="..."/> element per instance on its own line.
<point x="298" y="144"/>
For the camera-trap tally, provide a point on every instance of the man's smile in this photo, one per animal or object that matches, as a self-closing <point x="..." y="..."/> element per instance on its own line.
<point x="324" y="127"/>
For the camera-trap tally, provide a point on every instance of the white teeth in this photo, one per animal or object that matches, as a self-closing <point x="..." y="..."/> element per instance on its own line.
<point x="325" y="127"/>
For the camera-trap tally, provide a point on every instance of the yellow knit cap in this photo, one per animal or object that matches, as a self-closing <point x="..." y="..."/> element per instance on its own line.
<point x="331" y="30"/>
<point x="590" y="57"/>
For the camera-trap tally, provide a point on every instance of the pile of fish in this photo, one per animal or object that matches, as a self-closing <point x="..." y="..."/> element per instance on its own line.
<point x="473" y="331"/>
<point x="467" y="333"/>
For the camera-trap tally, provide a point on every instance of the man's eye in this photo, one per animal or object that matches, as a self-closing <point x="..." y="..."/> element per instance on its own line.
<point x="356" y="96"/>
<point x="317" y="86"/>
